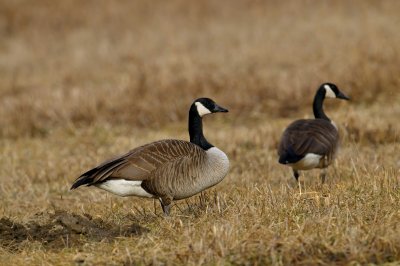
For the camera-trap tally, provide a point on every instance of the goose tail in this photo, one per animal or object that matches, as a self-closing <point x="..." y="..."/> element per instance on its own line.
<point x="289" y="156"/>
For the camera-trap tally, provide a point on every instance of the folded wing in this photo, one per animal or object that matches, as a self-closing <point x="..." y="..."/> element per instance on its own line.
<point x="139" y="163"/>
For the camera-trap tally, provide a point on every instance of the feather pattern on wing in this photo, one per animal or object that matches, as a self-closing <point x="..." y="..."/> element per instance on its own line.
<point x="140" y="163"/>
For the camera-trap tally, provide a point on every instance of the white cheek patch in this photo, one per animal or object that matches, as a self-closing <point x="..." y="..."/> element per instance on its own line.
<point x="329" y="92"/>
<point x="201" y="109"/>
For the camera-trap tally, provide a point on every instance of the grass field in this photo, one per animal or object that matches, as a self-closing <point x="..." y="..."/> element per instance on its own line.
<point x="82" y="81"/>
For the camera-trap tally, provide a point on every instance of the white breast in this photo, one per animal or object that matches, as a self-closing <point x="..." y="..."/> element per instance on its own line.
<point x="217" y="165"/>
<point x="124" y="188"/>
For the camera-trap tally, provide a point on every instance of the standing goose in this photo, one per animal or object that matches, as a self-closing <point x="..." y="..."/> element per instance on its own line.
<point x="312" y="143"/>
<point x="167" y="169"/>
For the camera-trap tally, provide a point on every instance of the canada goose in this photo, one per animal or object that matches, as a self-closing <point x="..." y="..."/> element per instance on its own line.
<point x="167" y="169"/>
<point x="312" y="143"/>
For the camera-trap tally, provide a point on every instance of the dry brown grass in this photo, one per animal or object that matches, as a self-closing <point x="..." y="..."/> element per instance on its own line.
<point x="81" y="81"/>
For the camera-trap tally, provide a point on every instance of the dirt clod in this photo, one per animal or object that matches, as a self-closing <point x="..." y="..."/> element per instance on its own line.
<point x="61" y="230"/>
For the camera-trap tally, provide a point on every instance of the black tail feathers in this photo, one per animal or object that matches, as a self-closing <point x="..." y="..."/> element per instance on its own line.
<point x="97" y="174"/>
<point x="289" y="156"/>
<point x="84" y="179"/>
<point x="79" y="182"/>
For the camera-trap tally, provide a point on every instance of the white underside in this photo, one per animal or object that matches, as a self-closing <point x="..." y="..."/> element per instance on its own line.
<point x="124" y="188"/>
<point x="310" y="161"/>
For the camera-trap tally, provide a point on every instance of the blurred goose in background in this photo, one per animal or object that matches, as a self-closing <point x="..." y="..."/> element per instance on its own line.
<point x="167" y="169"/>
<point x="312" y="143"/>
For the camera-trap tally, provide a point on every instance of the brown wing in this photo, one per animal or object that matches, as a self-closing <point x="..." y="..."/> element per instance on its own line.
<point x="139" y="163"/>
<point x="304" y="136"/>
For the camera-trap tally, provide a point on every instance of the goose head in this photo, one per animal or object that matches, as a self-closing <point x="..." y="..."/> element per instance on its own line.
<point x="205" y="106"/>
<point x="332" y="91"/>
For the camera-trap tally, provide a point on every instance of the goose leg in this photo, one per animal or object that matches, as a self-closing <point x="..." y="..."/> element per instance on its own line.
<point x="323" y="175"/>
<point x="324" y="169"/>
<point x="166" y="209"/>
<point x="166" y="203"/>
<point x="296" y="175"/>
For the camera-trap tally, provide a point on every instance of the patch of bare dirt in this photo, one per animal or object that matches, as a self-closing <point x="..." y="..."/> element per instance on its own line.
<point x="60" y="230"/>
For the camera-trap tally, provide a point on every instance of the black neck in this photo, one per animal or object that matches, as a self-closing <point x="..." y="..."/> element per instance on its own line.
<point x="318" y="105"/>
<point x="196" y="130"/>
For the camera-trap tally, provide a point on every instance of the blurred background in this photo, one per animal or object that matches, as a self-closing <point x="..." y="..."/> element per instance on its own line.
<point x="142" y="63"/>
<point x="82" y="81"/>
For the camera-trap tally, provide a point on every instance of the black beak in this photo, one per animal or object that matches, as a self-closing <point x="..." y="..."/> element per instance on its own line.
<point x="342" y="96"/>
<point x="218" y="108"/>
